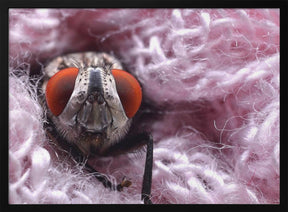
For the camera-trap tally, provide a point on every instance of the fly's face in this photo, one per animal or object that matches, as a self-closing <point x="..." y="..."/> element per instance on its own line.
<point x="90" y="102"/>
<point x="90" y="99"/>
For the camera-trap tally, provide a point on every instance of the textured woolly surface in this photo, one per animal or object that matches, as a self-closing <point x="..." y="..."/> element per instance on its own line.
<point x="210" y="80"/>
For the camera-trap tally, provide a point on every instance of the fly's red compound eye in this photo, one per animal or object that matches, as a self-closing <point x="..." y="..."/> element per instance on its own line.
<point x="129" y="91"/>
<point x="59" y="89"/>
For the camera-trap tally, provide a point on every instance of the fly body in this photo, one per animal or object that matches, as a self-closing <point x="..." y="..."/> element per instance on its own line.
<point x="91" y="102"/>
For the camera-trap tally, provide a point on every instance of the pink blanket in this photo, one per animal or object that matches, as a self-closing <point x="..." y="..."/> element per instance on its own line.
<point x="210" y="80"/>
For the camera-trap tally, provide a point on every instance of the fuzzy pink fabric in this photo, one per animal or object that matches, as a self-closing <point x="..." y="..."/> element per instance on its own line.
<point x="214" y="73"/>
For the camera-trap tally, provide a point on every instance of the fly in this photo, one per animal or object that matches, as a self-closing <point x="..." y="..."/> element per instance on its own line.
<point x="90" y="102"/>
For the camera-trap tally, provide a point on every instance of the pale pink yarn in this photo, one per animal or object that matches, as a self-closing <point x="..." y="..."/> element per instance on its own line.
<point x="215" y="73"/>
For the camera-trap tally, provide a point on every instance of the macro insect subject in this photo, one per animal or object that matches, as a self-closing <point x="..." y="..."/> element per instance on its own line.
<point x="90" y="102"/>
